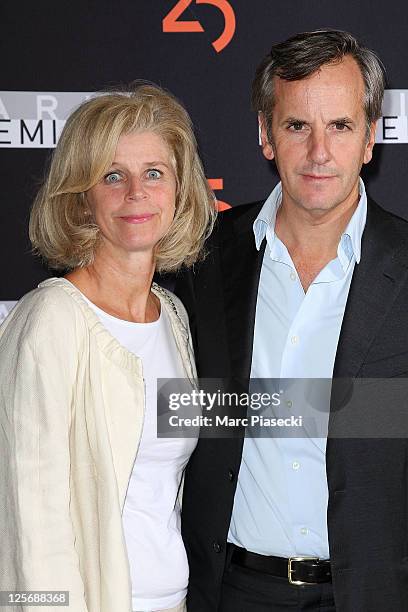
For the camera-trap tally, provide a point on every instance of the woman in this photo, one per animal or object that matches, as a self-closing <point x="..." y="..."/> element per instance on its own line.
<point x="89" y="494"/>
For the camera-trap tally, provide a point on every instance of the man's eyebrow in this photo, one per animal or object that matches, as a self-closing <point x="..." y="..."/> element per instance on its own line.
<point x="342" y="120"/>
<point x="291" y="119"/>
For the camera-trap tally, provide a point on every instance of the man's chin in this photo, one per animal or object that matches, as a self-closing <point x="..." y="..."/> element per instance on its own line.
<point x="318" y="205"/>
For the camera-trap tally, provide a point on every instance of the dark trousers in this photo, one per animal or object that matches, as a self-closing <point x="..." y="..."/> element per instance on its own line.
<point x="245" y="590"/>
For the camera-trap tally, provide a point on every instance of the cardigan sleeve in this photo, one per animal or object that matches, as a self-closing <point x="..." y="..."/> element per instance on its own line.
<point x="38" y="364"/>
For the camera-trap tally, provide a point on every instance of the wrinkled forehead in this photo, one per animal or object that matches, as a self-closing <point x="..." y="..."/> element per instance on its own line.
<point x="336" y="88"/>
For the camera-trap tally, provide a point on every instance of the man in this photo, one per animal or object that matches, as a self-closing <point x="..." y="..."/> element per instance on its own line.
<point x="313" y="283"/>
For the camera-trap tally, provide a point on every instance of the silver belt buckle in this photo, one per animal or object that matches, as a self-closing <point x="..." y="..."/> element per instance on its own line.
<point x="290" y="570"/>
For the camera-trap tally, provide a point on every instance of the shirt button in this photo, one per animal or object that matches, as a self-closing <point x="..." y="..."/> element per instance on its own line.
<point x="231" y="475"/>
<point x="217" y="547"/>
<point x="289" y="403"/>
<point x="304" y="531"/>
<point x="294" y="339"/>
<point x="292" y="276"/>
<point x="296" y="465"/>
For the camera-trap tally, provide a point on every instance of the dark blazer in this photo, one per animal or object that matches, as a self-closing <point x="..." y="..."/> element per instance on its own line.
<point x="367" y="478"/>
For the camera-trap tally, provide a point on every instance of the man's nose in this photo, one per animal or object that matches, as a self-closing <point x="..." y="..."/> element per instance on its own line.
<point x="319" y="147"/>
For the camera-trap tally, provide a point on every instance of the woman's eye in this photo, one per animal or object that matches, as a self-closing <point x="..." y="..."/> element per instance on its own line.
<point x="112" y="177"/>
<point x="153" y="174"/>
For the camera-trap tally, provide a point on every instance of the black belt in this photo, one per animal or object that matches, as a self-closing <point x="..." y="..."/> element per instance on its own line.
<point x="298" y="570"/>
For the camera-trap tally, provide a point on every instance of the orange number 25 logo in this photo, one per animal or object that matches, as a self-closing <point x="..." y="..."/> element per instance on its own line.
<point x="171" y="22"/>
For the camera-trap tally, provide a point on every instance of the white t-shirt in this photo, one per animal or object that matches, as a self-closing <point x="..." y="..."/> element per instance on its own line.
<point x="151" y="514"/>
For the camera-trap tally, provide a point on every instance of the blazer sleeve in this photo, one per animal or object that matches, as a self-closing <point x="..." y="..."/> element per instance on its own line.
<point x="38" y="364"/>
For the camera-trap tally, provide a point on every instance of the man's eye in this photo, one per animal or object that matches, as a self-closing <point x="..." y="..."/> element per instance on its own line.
<point x="153" y="174"/>
<point x="341" y="127"/>
<point x="112" y="177"/>
<point x="296" y="126"/>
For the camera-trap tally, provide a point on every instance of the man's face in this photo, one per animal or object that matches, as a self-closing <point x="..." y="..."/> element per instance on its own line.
<point x="319" y="137"/>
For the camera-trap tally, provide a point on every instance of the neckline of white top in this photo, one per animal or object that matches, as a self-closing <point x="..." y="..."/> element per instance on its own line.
<point x="123" y="322"/>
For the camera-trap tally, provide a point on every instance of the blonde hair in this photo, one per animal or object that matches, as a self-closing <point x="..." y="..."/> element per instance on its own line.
<point x="61" y="230"/>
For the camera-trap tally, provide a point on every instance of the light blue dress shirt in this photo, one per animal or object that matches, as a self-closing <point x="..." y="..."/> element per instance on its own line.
<point x="280" y="505"/>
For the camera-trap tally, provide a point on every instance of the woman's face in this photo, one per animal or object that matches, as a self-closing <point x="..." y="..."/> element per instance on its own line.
<point x="134" y="203"/>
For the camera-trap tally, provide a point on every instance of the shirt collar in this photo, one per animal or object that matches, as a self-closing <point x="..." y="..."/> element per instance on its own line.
<point x="350" y="241"/>
<point x="267" y="216"/>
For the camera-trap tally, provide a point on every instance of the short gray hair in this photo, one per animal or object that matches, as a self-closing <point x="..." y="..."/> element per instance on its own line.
<point x="300" y="56"/>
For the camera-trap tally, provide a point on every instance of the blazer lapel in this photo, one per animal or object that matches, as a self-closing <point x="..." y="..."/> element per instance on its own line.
<point x="376" y="282"/>
<point x="241" y="266"/>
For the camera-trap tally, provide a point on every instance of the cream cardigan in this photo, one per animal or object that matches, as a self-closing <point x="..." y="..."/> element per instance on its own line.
<point x="71" y="414"/>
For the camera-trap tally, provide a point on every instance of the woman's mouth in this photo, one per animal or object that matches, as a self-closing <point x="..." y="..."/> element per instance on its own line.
<point x="142" y="218"/>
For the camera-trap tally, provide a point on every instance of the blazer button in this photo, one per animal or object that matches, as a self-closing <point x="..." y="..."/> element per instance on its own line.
<point x="231" y="475"/>
<point x="217" y="547"/>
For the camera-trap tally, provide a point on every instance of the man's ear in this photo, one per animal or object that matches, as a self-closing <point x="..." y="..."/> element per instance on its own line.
<point x="368" y="153"/>
<point x="265" y="144"/>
